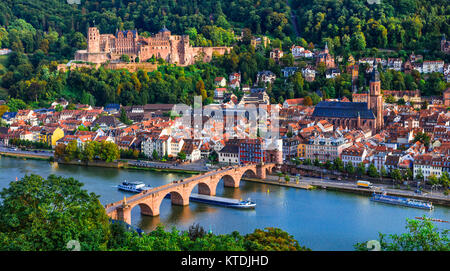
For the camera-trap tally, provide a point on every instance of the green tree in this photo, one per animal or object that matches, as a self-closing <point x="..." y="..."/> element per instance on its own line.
<point x="383" y="172"/>
<point x="372" y="171"/>
<point x="423" y="138"/>
<point x="338" y="164"/>
<point x="272" y="239"/>
<point x="16" y="105"/>
<point x="155" y="155"/>
<point x="396" y="175"/>
<point x="419" y="175"/>
<point x="72" y="151"/>
<point x="317" y="162"/>
<point x="361" y="169"/>
<point x="421" y="235"/>
<point x="358" y="41"/>
<point x="182" y="155"/>
<point x="125" y="58"/>
<point x="108" y="151"/>
<point x="89" y="151"/>
<point x="349" y="168"/>
<point x="124" y="118"/>
<point x="408" y="174"/>
<point x="432" y="179"/>
<point x="44" y="214"/>
<point x="444" y="180"/>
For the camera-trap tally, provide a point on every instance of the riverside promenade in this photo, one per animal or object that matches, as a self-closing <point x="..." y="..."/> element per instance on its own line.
<point x="350" y="186"/>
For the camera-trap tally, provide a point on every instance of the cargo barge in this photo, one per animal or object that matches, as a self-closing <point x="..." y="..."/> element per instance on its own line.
<point x="220" y="201"/>
<point x="402" y="201"/>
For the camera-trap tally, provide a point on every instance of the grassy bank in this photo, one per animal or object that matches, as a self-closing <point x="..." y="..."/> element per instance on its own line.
<point x="25" y="156"/>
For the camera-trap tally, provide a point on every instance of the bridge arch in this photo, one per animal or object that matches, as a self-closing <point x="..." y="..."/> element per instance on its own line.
<point x="205" y="188"/>
<point x="250" y="172"/>
<point x="145" y="209"/>
<point x="230" y="181"/>
<point x="177" y="198"/>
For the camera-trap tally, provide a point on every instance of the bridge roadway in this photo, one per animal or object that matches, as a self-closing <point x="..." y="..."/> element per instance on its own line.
<point x="150" y="200"/>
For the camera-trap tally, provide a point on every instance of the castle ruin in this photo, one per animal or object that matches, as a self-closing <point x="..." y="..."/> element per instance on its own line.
<point x="174" y="49"/>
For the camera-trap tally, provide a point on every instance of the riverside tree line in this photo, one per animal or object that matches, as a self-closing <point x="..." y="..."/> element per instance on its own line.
<point x="103" y="151"/>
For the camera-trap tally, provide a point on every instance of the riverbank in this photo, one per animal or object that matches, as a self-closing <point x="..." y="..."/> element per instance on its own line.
<point x="117" y="165"/>
<point x="26" y="156"/>
<point x="349" y="188"/>
<point x="285" y="184"/>
<point x="127" y="165"/>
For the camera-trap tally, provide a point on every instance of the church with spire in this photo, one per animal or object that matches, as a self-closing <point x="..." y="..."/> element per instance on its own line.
<point x="326" y="58"/>
<point x="355" y="115"/>
<point x="375" y="98"/>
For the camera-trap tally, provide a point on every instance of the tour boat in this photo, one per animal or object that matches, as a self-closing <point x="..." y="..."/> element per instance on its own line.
<point x="135" y="187"/>
<point x="402" y="201"/>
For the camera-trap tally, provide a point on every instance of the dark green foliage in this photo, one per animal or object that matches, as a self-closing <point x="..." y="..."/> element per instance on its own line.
<point x="44" y="33"/>
<point x="356" y="24"/>
<point x="44" y="214"/>
<point x="196" y="231"/>
<point x="422" y="235"/>
<point x="272" y="239"/>
<point x="29" y="144"/>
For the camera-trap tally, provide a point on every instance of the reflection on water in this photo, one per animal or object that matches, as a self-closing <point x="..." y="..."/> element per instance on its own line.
<point x="321" y="220"/>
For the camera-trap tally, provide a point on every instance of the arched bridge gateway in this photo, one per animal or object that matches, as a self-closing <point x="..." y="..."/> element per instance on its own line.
<point x="150" y="200"/>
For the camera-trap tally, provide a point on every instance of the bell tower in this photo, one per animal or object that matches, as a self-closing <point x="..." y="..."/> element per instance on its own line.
<point x="375" y="98"/>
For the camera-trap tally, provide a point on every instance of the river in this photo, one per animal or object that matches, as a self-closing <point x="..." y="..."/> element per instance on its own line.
<point x="318" y="219"/>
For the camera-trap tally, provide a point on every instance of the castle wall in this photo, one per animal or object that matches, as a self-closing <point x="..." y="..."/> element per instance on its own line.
<point x="133" y="67"/>
<point x="174" y="49"/>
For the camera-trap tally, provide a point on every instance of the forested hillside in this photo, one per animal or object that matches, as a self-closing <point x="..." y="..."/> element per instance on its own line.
<point x="262" y="17"/>
<point x="43" y="33"/>
<point x="395" y="24"/>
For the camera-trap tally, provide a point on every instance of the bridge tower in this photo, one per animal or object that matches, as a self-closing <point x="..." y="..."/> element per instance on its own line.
<point x="124" y="212"/>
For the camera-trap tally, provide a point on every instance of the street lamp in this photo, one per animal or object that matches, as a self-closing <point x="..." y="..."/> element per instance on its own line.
<point x="433" y="186"/>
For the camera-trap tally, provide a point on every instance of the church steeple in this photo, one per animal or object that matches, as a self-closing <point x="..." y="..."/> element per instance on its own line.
<point x="375" y="98"/>
<point x="375" y="74"/>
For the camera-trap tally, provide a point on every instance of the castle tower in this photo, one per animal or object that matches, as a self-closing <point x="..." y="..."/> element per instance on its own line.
<point x="375" y="99"/>
<point x="93" y="42"/>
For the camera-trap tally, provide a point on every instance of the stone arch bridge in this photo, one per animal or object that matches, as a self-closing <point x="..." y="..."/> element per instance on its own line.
<point x="150" y="200"/>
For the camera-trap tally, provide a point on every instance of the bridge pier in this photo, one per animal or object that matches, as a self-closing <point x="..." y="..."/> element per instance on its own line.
<point x="124" y="213"/>
<point x="260" y="172"/>
<point x="204" y="189"/>
<point x="229" y="181"/>
<point x="178" y="199"/>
